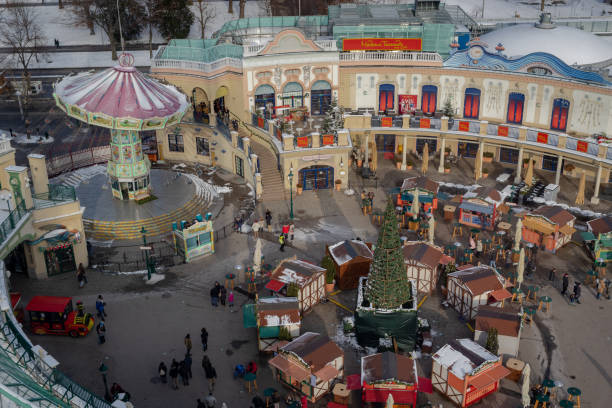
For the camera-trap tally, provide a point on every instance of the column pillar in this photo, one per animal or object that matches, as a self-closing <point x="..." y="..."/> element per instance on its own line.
<point x="366" y="163"/>
<point x="38" y="168"/>
<point x="18" y="180"/>
<point x="480" y="156"/>
<point x="234" y="136"/>
<point x="595" y="198"/>
<point x="558" y="173"/>
<point x="442" y="147"/>
<point x="404" y="148"/>
<point x="519" y="167"/>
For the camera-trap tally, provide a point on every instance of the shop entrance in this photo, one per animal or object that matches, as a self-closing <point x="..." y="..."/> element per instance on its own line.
<point x="467" y="149"/>
<point x="16" y="260"/>
<point x="432" y="145"/>
<point x="60" y="259"/>
<point x="385" y="144"/>
<point x="317" y="177"/>
<point x="320" y="97"/>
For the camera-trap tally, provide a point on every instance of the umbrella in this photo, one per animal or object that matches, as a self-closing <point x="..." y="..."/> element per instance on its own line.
<point x="529" y="174"/>
<point x="257" y="256"/>
<point x="414" y="209"/>
<point x="425" y="163"/>
<point x="580" y="195"/>
<point x="521" y="267"/>
<point x="525" y="386"/>
<point x="432" y="224"/>
<point x="390" y="401"/>
<point x="517" y="235"/>
<point x="478" y="166"/>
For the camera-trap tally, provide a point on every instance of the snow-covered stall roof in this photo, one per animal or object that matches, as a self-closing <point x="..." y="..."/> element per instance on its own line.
<point x="463" y="357"/>
<point x="296" y="271"/>
<point x="278" y="311"/>
<point x="344" y="251"/>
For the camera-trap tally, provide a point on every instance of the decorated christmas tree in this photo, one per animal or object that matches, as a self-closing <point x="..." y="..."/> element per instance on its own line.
<point x="388" y="286"/>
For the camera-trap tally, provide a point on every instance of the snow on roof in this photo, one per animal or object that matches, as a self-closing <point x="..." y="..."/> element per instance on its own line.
<point x="463" y="356"/>
<point x="571" y="45"/>
<point x="296" y="271"/>
<point x="344" y="251"/>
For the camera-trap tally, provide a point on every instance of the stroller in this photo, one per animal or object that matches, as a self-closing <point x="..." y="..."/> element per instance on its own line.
<point x="239" y="371"/>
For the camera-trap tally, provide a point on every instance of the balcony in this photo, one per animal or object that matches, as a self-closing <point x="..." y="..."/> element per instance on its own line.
<point x="10" y="220"/>
<point x="204" y="67"/>
<point x="419" y="58"/>
<point x="58" y="194"/>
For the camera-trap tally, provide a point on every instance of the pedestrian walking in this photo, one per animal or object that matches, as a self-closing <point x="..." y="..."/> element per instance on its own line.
<point x="222" y="295"/>
<point x="210" y="400"/>
<point x="163" y="372"/>
<point x="492" y="263"/>
<point x="174" y="373"/>
<point x="291" y="231"/>
<point x="256" y="226"/>
<point x="81" y="278"/>
<point x="211" y="373"/>
<point x="281" y="241"/>
<point x="187" y="342"/>
<point x="214" y="294"/>
<point x="100" y="303"/>
<point x="204" y="338"/>
<point x="565" y="283"/>
<point x="188" y="363"/>
<point x="577" y="293"/>
<point x="101" y="331"/>
<point x="251" y="367"/>
<point x="478" y="248"/>
<point x="552" y="275"/>
<point x="269" y="220"/>
<point x="230" y="300"/>
<point x="182" y="369"/>
<point x="285" y="230"/>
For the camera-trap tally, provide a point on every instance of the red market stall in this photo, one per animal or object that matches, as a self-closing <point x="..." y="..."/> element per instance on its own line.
<point x="479" y="208"/>
<point x="389" y="373"/>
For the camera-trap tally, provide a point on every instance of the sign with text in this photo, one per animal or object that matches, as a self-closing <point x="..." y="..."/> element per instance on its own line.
<point x="464" y="126"/>
<point x="328" y="140"/>
<point x="425" y="123"/>
<point x="542" y="137"/>
<point x="582" y="146"/>
<point x="382" y="44"/>
<point x="386" y="121"/>
<point x="407" y="104"/>
<point x="302" y="141"/>
<point x="502" y="131"/>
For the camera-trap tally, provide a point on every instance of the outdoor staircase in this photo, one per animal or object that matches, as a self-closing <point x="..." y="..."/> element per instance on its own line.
<point x="271" y="179"/>
<point x="155" y="226"/>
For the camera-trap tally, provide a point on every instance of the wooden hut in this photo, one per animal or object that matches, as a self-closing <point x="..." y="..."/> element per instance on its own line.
<point x="507" y="321"/>
<point x="466" y="372"/>
<point x="478" y="208"/>
<point x="601" y="243"/>
<point x="273" y="315"/>
<point x="352" y="260"/>
<point x="308" y="278"/>
<point x="308" y="365"/>
<point x="472" y="286"/>
<point x="424" y="262"/>
<point x="389" y="373"/>
<point x="549" y="227"/>
<point x="428" y="194"/>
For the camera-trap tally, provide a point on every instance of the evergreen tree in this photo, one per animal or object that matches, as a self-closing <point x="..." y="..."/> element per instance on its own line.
<point x="173" y="18"/>
<point x="334" y="118"/>
<point x="492" y="342"/>
<point x="388" y="286"/>
<point x="448" y="109"/>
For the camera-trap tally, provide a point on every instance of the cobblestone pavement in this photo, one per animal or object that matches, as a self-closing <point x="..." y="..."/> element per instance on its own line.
<point x="146" y="324"/>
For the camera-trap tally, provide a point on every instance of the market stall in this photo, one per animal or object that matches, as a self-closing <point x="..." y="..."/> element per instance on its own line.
<point x="548" y="227"/>
<point x="195" y="241"/>
<point x="478" y="208"/>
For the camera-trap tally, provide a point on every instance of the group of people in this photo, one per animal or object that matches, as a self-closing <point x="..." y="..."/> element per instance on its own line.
<point x="101" y="327"/>
<point x="286" y="233"/>
<point x="367" y="202"/>
<point x="218" y="294"/>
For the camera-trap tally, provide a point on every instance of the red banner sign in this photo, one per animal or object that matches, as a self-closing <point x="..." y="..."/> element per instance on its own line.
<point x="424" y="123"/>
<point x="302" y="141"/>
<point x="502" y="131"/>
<point x="582" y="146"/>
<point x="382" y="44"/>
<point x="407" y="104"/>
<point x="542" y="137"/>
<point x="386" y="121"/>
<point x="464" y="126"/>
<point x="328" y="140"/>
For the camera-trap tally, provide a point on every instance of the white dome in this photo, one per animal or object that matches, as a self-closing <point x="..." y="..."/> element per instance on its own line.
<point x="571" y="45"/>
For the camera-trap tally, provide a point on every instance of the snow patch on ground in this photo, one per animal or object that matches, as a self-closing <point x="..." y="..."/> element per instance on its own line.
<point x="223" y="189"/>
<point x="22" y="138"/>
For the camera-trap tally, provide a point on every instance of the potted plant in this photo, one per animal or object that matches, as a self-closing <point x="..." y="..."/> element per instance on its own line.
<point x="338" y="184"/>
<point x="485" y="173"/>
<point x="447" y="167"/>
<point x="569" y="168"/>
<point x="487" y="157"/>
<point x="447" y="151"/>
<point x="300" y="188"/>
<point x="525" y="163"/>
<point x="409" y="164"/>
<point x="330" y="273"/>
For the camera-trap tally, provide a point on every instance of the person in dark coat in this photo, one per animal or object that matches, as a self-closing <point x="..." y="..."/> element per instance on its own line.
<point x="269" y="220"/>
<point x="204" y="338"/>
<point x="182" y="369"/>
<point x="565" y="283"/>
<point x="211" y="373"/>
<point x="101" y="330"/>
<point x="163" y="372"/>
<point x="174" y="374"/>
<point x="188" y="363"/>
<point x="222" y="295"/>
<point x="214" y="294"/>
<point x="577" y="292"/>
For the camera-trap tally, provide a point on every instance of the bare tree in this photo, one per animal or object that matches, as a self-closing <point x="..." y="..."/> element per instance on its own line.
<point x="149" y="7"/>
<point x="20" y="32"/>
<point x="265" y="6"/>
<point x="242" y="5"/>
<point x="204" y="13"/>
<point x="230" y="7"/>
<point x="81" y="13"/>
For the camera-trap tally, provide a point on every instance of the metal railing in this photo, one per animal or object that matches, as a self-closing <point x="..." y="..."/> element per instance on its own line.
<point x="260" y="122"/>
<point x="57" y="194"/>
<point x="10" y="223"/>
<point x="76" y="160"/>
<point x="391" y="56"/>
<point x="206" y="67"/>
<point x="73" y="389"/>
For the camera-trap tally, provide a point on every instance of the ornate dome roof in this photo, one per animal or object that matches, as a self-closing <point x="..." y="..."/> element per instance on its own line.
<point x="571" y="45"/>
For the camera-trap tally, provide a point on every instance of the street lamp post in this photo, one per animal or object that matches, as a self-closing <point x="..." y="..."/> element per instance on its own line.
<point x="291" y="191"/>
<point x="103" y="369"/>
<point x="150" y="262"/>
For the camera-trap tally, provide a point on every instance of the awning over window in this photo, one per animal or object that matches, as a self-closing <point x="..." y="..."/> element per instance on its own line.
<point x="326" y="373"/>
<point x="290" y="369"/>
<point x="487" y="378"/>
<point x="221" y="92"/>
<point x="488" y="210"/>
<point x="320" y="86"/>
<point x="500" y="294"/>
<point x="264" y="90"/>
<point x="292" y="87"/>
<point x="275" y="285"/>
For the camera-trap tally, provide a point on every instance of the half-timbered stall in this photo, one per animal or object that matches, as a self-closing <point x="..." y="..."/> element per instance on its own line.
<point x="479" y="208"/>
<point x="389" y="373"/>
<point x="601" y="243"/>
<point x="549" y="227"/>
<point x="424" y="262"/>
<point x="276" y="315"/>
<point x="507" y="321"/>
<point x="352" y="260"/>
<point x="470" y="287"/>
<point x="466" y="372"/>
<point x="309" y="364"/>
<point x="295" y="275"/>
<point x="426" y="189"/>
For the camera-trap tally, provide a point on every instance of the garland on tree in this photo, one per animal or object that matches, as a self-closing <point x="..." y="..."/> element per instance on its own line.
<point x="388" y="286"/>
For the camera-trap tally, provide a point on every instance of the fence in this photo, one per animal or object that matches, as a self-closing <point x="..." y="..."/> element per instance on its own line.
<point x="9" y="224"/>
<point x="75" y="160"/>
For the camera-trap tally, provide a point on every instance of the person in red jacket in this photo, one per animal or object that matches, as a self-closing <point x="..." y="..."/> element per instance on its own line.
<point x="252" y="367"/>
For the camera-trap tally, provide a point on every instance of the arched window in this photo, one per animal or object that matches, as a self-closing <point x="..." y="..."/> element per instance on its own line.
<point x="264" y="98"/>
<point x="293" y="95"/>
<point x="386" y="97"/>
<point x="428" y="99"/>
<point x="515" y="107"/>
<point x="559" y="114"/>
<point x="471" y="103"/>
<point x="320" y="97"/>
